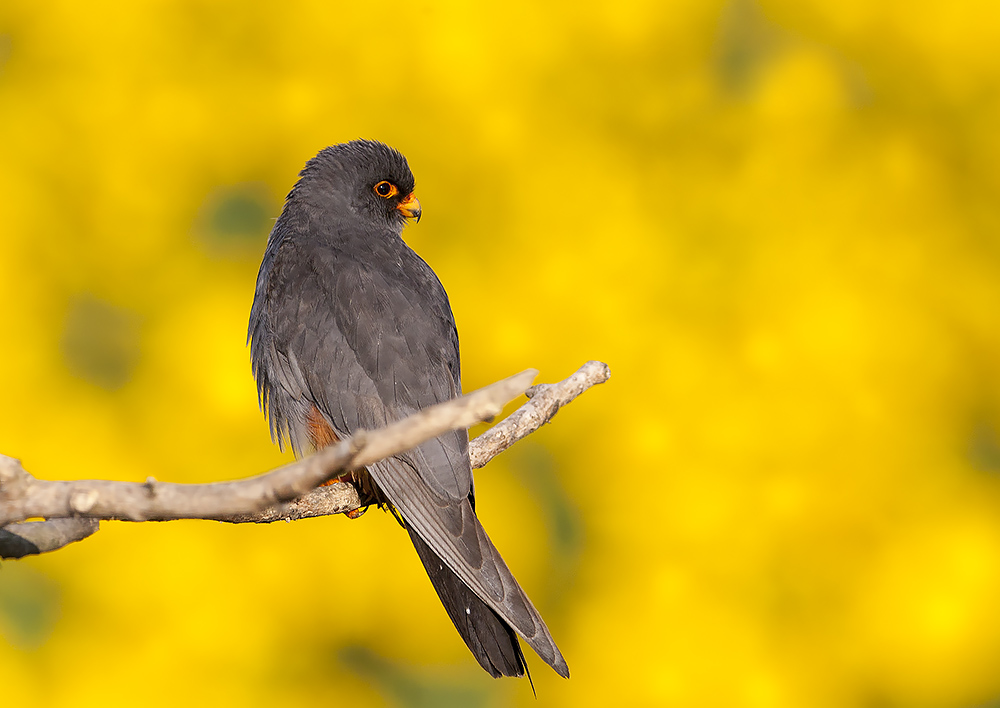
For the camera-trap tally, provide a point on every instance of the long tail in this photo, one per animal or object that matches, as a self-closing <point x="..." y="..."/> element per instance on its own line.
<point x="489" y="638"/>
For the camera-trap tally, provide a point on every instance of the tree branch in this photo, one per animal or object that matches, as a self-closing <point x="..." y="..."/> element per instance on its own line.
<point x="22" y="496"/>
<point x="32" y="537"/>
<point x="546" y="400"/>
<point x="289" y="492"/>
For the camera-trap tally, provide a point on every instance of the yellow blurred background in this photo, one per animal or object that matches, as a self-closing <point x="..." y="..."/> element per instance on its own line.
<point x="778" y="222"/>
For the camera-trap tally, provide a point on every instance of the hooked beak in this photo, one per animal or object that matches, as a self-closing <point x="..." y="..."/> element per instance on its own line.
<point x="410" y="207"/>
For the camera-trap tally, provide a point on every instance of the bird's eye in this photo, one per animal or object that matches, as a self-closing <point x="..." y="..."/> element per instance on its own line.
<point x="386" y="189"/>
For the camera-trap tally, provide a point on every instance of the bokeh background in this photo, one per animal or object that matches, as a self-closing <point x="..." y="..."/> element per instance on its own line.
<point x="777" y="221"/>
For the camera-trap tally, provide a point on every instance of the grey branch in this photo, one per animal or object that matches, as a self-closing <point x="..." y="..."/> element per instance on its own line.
<point x="23" y="497"/>
<point x="289" y="492"/>
<point x="31" y="537"/>
<point x="546" y="400"/>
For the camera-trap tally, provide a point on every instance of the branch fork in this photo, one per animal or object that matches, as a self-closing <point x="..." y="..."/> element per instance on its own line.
<point x="72" y="509"/>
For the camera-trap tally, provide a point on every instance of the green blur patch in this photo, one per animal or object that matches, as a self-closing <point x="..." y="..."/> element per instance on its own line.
<point x="235" y="221"/>
<point x="746" y="41"/>
<point x="29" y="605"/>
<point x="984" y="448"/>
<point x="4" y="49"/>
<point x="535" y="467"/>
<point x="407" y="688"/>
<point x="100" y="342"/>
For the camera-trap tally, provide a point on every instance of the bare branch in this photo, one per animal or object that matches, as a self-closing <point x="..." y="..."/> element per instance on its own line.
<point x="337" y="498"/>
<point x="546" y="400"/>
<point x="287" y="493"/>
<point x="23" y="497"/>
<point x="32" y="537"/>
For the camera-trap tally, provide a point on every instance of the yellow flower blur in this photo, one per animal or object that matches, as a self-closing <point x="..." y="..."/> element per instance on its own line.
<point x="778" y="222"/>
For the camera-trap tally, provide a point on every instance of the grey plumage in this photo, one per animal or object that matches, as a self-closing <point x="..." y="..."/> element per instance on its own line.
<point x="348" y="321"/>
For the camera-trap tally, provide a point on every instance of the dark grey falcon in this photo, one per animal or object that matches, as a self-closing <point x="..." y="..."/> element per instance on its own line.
<point x="351" y="329"/>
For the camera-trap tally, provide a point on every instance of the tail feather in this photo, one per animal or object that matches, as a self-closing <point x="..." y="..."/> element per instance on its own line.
<point x="490" y="639"/>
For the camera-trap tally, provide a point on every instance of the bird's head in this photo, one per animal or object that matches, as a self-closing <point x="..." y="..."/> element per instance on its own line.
<point x="364" y="178"/>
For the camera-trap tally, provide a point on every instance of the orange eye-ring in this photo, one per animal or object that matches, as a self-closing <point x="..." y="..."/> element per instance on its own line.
<point x="386" y="189"/>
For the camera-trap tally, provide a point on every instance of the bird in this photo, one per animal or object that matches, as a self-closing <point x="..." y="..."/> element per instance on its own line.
<point x="350" y="329"/>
